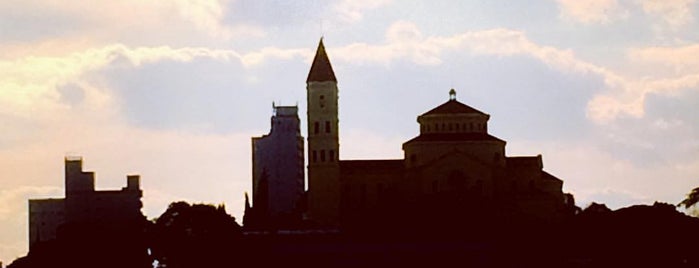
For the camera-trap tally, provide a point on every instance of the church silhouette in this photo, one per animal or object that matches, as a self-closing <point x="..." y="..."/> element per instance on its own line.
<point x="454" y="170"/>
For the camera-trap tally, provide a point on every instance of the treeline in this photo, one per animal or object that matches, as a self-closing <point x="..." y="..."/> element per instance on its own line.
<point x="206" y="236"/>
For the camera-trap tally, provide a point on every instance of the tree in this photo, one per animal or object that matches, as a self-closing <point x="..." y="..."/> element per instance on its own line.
<point x="196" y="235"/>
<point x="691" y="200"/>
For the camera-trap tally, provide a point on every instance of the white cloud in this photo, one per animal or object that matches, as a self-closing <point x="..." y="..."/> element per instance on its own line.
<point x="182" y="22"/>
<point x="623" y="95"/>
<point x="682" y="58"/>
<point x="353" y="10"/>
<point x="675" y="13"/>
<point x="591" y="11"/>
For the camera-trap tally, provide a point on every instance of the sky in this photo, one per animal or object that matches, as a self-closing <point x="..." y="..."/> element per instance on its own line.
<point x="606" y="90"/>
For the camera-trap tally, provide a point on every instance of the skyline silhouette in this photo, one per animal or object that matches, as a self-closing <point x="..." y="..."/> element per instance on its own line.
<point x="174" y="91"/>
<point x="477" y="204"/>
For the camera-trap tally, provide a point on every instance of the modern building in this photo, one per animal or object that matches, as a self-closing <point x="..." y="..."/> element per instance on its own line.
<point x="453" y="163"/>
<point x="83" y="205"/>
<point x="278" y="170"/>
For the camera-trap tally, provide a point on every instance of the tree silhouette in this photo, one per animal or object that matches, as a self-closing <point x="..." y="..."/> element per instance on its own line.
<point x="195" y="236"/>
<point x="691" y="200"/>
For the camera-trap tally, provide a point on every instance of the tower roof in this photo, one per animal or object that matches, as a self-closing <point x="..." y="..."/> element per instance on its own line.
<point x="453" y="107"/>
<point x="321" y="70"/>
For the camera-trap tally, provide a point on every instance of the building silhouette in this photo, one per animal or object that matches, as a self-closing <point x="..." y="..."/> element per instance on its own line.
<point x="54" y="218"/>
<point x="454" y="170"/>
<point x="454" y="165"/>
<point x="277" y="172"/>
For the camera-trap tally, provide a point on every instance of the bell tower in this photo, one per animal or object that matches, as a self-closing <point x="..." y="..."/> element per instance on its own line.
<point x="323" y="141"/>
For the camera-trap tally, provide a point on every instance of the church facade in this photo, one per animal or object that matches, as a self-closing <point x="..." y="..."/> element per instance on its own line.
<point x="454" y="166"/>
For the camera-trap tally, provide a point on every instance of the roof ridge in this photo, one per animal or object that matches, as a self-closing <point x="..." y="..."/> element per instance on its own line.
<point x="453" y="106"/>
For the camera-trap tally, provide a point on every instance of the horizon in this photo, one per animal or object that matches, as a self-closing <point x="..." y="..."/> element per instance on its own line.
<point x="605" y="90"/>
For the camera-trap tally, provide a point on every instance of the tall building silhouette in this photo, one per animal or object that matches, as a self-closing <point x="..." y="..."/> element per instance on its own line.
<point x="323" y="140"/>
<point x="278" y="170"/>
<point x="83" y="205"/>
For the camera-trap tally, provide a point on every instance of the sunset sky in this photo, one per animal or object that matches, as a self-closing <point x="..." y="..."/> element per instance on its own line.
<point x="606" y="90"/>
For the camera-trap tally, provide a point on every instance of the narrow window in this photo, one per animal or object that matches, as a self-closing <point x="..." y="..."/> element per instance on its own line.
<point x="322" y="155"/>
<point x="331" y="154"/>
<point x="436" y="127"/>
<point x="327" y="126"/>
<point x="315" y="156"/>
<point x="470" y="127"/>
<point x="316" y="127"/>
<point x="450" y="127"/>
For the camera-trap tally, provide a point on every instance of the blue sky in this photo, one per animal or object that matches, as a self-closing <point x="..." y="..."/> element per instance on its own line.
<point x="606" y="90"/>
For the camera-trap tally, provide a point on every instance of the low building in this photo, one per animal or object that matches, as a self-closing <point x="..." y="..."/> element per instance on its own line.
<point x="83" y="205"/>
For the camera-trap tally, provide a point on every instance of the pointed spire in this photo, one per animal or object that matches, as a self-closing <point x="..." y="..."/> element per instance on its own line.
<point x="321" y="70"/>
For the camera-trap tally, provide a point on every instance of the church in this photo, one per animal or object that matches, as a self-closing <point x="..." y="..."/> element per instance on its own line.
<point x="452" y="168"/>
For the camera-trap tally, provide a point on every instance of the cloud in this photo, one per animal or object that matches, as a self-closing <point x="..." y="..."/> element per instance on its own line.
<point x="674" y="13"/>
<point x="404" y="41"/>
<point x="682" y="58"/>
<point x="591" y="11"/>
<point x="353" y="10"/>
<point x="129" y="21"/>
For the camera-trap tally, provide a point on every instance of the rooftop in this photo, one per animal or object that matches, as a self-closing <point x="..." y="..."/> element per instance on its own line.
<point x="453" y="107"/>
<point x="321" y="70"/>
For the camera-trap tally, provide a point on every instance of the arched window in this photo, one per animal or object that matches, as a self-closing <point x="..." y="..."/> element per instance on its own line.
<point x="322" y="155"/>
<point x="331" y="154"/>
<point x="315" y="156"/>
<point x="316" y="127"/>
<point x="327" y="126"/>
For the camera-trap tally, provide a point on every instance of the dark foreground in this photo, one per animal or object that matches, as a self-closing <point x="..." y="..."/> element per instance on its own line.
<point x="642" y="236"/>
